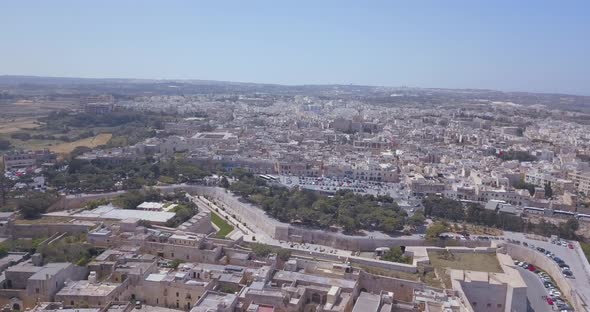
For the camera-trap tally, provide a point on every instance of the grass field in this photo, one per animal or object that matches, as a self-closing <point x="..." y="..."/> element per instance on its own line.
<point x="17" y="124"/>
<point x="487" y="262"/>
<point x="66" y="148"/>
<point x="224" y="227"/>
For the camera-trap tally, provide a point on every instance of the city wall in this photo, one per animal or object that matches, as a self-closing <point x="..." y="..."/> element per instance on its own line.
<point x="544" y="263"/>
<point x="256" y="217"/>
<point x="286" y="232"/>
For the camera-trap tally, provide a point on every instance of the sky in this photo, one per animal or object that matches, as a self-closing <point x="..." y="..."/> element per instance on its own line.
<point x="537" y="46"/>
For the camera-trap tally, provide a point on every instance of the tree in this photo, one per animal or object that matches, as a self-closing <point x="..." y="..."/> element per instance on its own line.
<point x="261" y="250"/>
<point x="5" y="185"/>
<point x="175" y="263"/>
<point x="395" y="254"/>
<point x="568" y="229"/>
<point x="435" y="229"/>
<point x="4" y="144"/>
<point x="224" y="182"/>
<point x="417" y="219"/>
<point x="35" y="204"/>
<point x="548" y="190"/>
<point x="284" y="254"/>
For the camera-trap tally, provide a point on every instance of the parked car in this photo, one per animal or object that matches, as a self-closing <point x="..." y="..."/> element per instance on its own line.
<point x="563" y="265"/>
<point x="532" y="268"/>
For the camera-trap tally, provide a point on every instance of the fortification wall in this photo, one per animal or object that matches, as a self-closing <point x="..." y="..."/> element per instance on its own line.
<point x="48" y="229"/>
<point x="544" y="263"/>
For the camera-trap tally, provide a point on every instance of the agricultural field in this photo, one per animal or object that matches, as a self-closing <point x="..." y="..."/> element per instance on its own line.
<point x="8" y="126"/>
<point x="66" y="148"/>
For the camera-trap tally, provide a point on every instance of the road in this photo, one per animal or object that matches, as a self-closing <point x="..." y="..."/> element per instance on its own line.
<point x="535" y="290"/>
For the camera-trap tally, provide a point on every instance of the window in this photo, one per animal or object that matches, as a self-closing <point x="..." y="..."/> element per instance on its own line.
<point x="37" y="290"/>
<point x="177" y="294"/>
<point x="499" y="305"/>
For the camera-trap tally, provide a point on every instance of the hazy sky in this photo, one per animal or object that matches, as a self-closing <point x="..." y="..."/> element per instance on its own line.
<point x="507" y="45"/>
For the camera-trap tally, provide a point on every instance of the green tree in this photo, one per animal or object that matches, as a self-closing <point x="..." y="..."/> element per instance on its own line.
<point x="34" y="204"/>
<point x="284" y="254"/>
<point x="261" y="250"/>
<point x="5" y="186"/>
<point x="395" y="254"/>
<point x="224" y="182"/>
<point x="548" y="190"/>
<point x="4" y="144"/>
<point x="175" y="263"/>
<point x="417" y="219"/>
<point x="435" y="229"/>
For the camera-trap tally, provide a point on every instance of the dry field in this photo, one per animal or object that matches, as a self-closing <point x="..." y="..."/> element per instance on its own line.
<point x="486" y="262"/>
<point x="17" y="124"/>
<point x="66" y="148"/>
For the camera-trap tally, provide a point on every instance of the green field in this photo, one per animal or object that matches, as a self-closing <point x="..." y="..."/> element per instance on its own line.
<point x="486" y="262"/>
<point x="224" y="227"/>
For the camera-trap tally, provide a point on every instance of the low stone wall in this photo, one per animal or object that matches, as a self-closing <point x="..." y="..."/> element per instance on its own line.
<point x="544" y="263"/>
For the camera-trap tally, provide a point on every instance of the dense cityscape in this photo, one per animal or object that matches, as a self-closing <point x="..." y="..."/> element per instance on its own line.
<point x="164" y="195"/>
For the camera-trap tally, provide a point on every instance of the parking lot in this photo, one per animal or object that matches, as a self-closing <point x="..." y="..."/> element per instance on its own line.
<point x="332" y="185"/>
<point x="579" y="276"/>
<point x="542" y="292"/>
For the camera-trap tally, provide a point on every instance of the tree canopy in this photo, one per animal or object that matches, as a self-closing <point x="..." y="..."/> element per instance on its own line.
<point x="351" y="212"/>
<point x="33" y="204"/>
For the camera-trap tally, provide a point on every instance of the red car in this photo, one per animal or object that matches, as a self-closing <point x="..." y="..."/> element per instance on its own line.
<point x="570" y="246"/>
<point x="532" y="268"/>
<point x="549" y="301"/>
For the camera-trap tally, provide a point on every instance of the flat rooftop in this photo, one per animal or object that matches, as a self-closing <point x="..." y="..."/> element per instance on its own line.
<point x="110" y="212"/>
<point x="313" y="279"/>
<point x="86" y="289"/>
<point x="212" y="299"/>
<point x="367" y="302"/>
